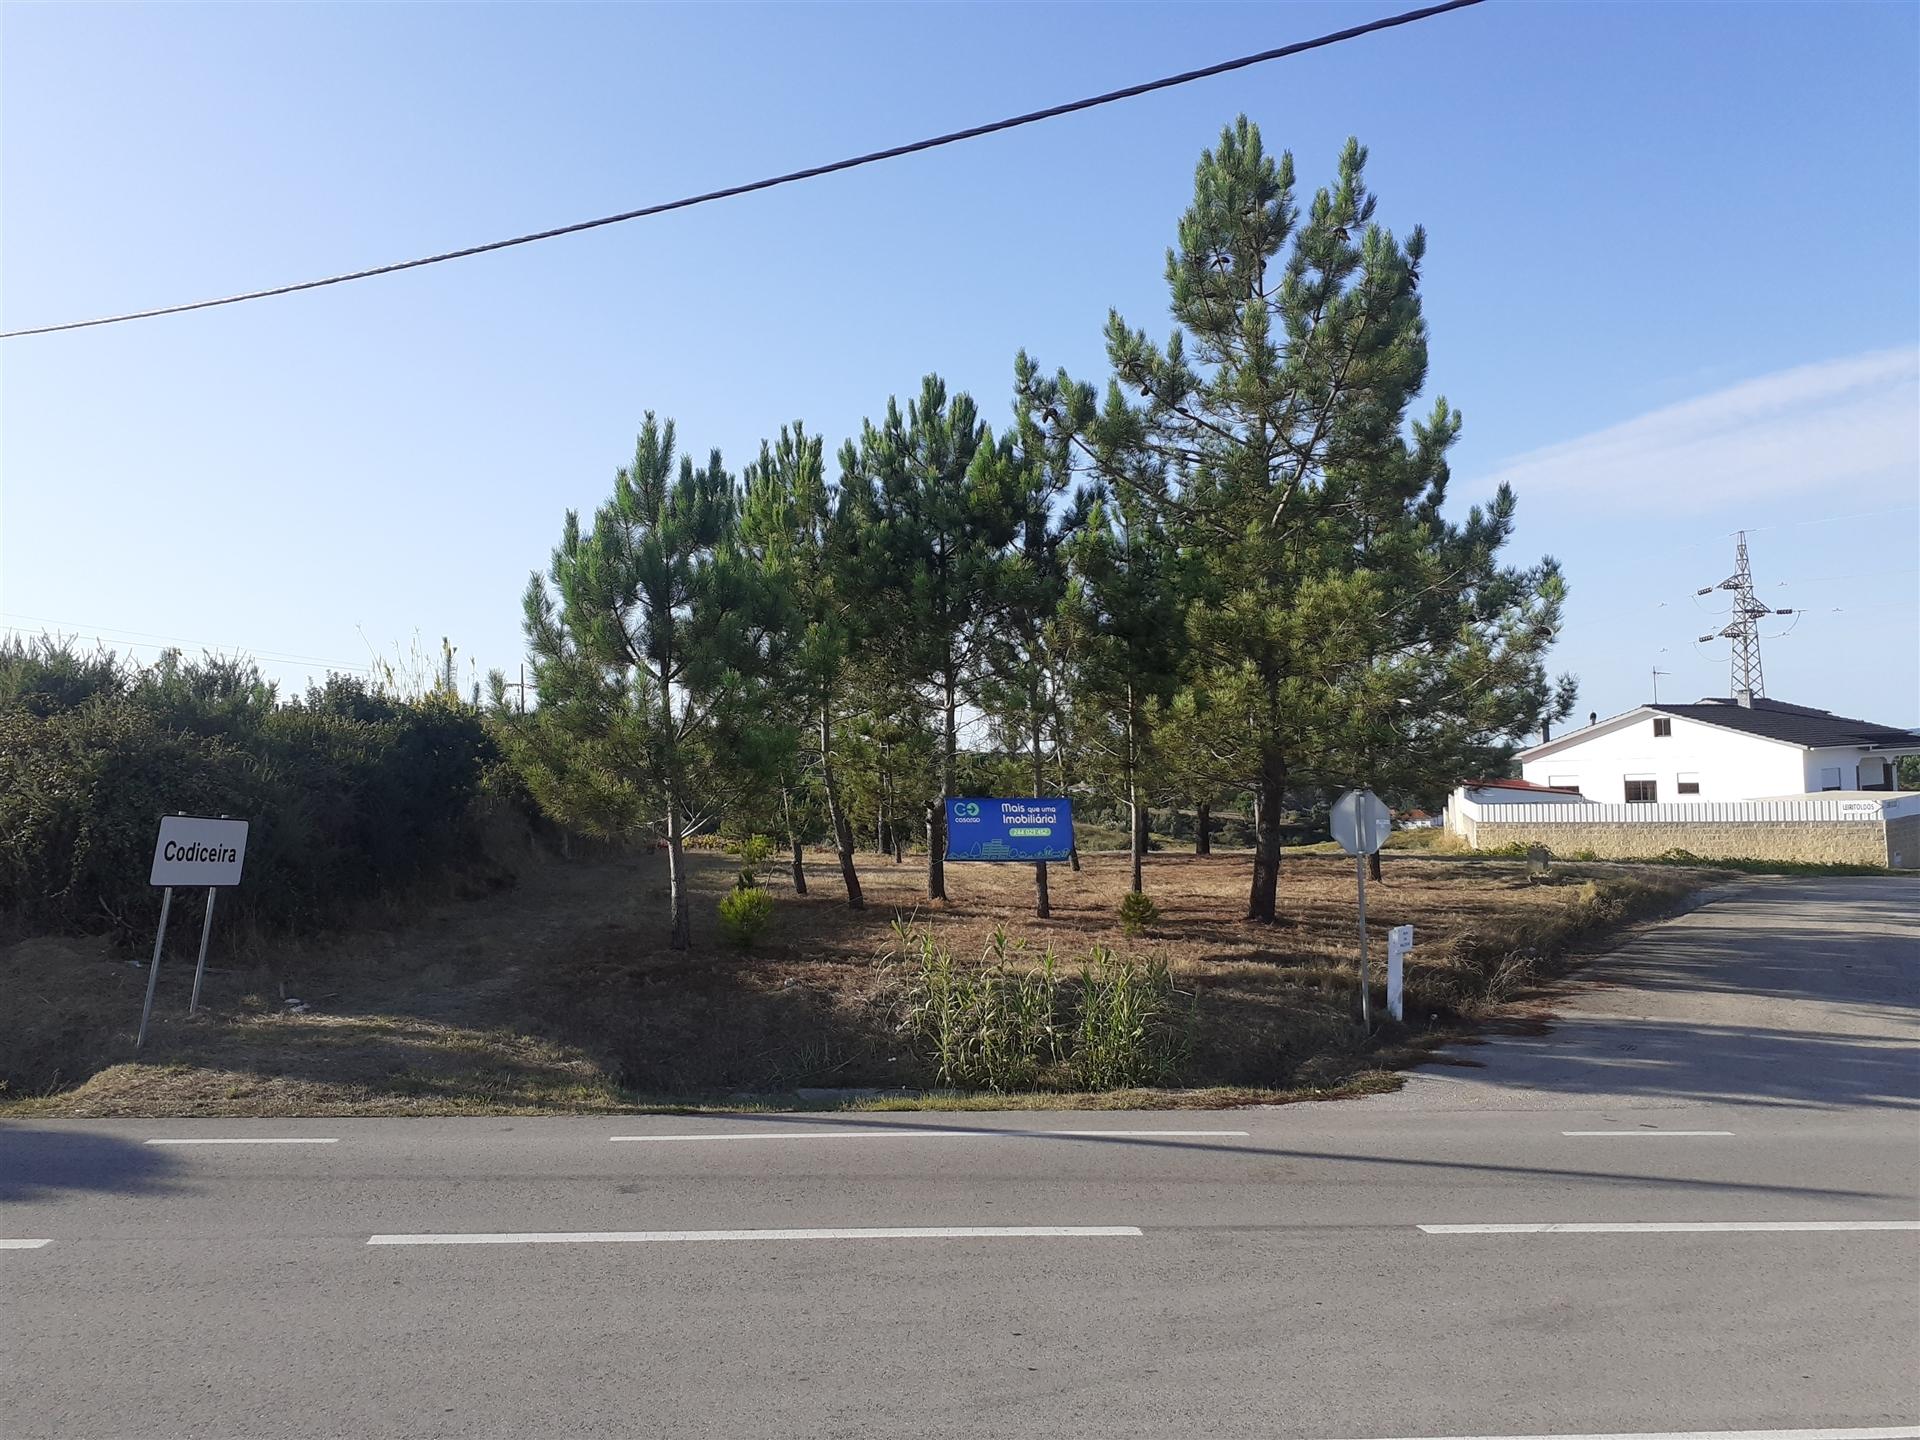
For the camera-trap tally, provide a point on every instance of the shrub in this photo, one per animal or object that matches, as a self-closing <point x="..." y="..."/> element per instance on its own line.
<point x="348" y="792"/>
<point x="1137" y="912"/>
<point x="744" y="913"/>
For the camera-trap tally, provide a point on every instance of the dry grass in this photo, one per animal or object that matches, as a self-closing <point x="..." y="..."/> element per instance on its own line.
<point x="559" y="996"/>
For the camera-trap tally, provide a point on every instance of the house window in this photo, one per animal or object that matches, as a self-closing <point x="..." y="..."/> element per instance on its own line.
<point x="1643" y="792"/>
<point x="1830" y="777"/>
<point x="1687" y="784"/>
<point x="1662" y="725"/>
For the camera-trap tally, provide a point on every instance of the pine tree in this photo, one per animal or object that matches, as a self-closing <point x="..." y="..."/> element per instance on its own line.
<point x="644" y="648"/>
<point x="1121" y="619"/>
<point x="1021" y="665"/>
<point x="792" y="526"/>
<point x="930" y="524"/>
<point x="1335" y="610"/>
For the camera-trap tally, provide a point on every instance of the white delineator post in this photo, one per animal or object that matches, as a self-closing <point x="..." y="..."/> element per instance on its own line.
<point x="1399" y="942"/>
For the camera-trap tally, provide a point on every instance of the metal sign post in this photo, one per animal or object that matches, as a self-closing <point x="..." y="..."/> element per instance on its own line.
<point x="201" y="969"/>
<point x="1361" y="822"/>
<point x="1366" y="981"/>
<point x="153" y="967"/>
<point x="191" y="850"/>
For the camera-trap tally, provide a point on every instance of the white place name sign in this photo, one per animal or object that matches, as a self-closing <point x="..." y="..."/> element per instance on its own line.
<point x="193" y="852"/>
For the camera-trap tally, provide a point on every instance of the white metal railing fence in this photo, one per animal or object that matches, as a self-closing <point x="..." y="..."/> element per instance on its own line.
<point x="1723" y="811"/>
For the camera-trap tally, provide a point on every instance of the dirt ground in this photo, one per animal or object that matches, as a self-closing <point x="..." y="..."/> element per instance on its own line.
<point x="559" y="993"/>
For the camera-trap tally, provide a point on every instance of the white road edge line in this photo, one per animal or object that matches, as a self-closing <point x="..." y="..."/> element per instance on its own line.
<point x="23" y="1244"/>
<point x="1850" y="1432"/>
<point x="1645" y="1134"/>
<point x="902" y="1133"/>
<point x="670" y="1237"/>
<point x="1671" y="1227"/>
<point x="247" y="1140"/>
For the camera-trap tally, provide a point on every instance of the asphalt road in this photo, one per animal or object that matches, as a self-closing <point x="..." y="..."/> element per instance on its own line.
<point x="1750" y="1067"/>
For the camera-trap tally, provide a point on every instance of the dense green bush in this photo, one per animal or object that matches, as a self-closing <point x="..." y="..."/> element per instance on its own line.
<point x="347" y="792"/>
<point x="744" y="912"/>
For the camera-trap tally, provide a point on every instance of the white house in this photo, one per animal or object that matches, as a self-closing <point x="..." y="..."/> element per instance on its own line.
<point x="1719" y="750"/>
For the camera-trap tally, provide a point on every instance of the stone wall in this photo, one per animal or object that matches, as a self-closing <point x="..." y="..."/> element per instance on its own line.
<point x="1841" y="842"/>
<point x="1903" y="842"/>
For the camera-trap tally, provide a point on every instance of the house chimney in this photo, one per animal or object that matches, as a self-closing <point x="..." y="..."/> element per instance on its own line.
<point x="1744" y="699"/>
<point x="1593" y="717"/>
<point x="1546" y="731"/>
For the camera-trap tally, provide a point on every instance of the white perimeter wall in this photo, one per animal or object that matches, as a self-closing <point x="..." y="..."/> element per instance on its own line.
<point x="1729" y="765"/>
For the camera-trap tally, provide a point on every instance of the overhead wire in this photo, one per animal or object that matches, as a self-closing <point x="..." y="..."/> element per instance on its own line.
<point x="115" y="635"/>
<point x="811" y="172"/>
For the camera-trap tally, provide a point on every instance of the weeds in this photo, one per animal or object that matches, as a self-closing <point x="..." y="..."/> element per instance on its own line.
<point x="1010" y="1023"/>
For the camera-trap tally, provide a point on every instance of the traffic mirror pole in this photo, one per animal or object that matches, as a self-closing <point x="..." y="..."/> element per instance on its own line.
<point x="1366" y="1009"/>
<point x="153" y="970"/>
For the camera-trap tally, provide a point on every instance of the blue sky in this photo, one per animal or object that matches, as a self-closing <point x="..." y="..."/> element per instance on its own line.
<point x="1671" y="282"/>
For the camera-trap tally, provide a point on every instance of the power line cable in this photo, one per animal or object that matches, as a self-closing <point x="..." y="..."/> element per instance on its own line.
<point x="873" y="157"/>
<point x="115" y="635"/>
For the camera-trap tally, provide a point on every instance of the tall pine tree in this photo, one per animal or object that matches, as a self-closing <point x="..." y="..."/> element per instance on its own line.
<point x="1019" y="687"/>
<point x="645" y="647"/>
<point x="1330" y="590"/>
<point x="1121" y="620"/>
<point x="791" y="525"/>
<point x="930" y="525"/>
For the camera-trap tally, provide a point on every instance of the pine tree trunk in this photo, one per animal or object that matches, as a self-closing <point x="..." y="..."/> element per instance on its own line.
<point x="937" y="810"/>
<point x="682" y="936"/>
<point x="1136" y="834"/>
<point x="1136" y="816"/>
<point x="1202" y="828"/>
<point x="793" y="839"/>
<point x="1041" y="905"/>
<point x="837" y="815"/>
<point x="1267" y="800"/>
<point x="1066" y="788"/>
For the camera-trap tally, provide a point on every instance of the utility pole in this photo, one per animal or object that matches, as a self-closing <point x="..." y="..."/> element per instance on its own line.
<point x="520" y="685"/>
<point x="1743" y="628"/>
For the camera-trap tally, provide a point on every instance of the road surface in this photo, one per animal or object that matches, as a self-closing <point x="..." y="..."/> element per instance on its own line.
<point x="1729" y="1119"/>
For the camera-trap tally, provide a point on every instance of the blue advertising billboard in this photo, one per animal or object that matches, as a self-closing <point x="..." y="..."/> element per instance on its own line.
<point x="1026" y="829"/>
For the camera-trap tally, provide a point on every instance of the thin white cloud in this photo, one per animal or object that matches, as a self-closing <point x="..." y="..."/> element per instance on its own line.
<point x="1852" y="422"/>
